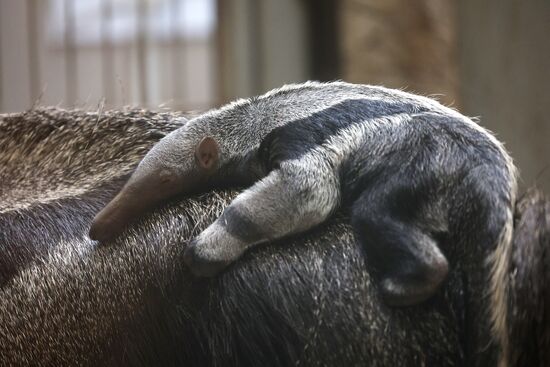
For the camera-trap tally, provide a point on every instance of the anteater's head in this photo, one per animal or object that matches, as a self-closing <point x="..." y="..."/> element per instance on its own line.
<point x="181" y="163"/>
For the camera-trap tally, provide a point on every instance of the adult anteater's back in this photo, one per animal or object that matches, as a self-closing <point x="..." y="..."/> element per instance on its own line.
<point x="312" y="302"/>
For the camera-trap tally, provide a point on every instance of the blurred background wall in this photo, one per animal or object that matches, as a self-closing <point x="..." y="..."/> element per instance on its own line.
<point x="489" y="59"/>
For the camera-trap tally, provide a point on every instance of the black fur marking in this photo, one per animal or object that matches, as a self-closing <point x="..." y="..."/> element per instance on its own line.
<point x="298" y="137"/>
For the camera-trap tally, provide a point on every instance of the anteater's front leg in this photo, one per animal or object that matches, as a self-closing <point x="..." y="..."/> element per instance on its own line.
<point x="291" y="199"/>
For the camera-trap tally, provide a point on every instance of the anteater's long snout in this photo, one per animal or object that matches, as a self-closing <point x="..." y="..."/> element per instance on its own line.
<point x="141" y="193"/>
<point x="144" y="191"/>
<point x="115" y="217"/>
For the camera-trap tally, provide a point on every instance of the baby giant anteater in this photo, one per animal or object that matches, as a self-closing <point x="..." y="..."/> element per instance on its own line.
<point x="414" y="172"/>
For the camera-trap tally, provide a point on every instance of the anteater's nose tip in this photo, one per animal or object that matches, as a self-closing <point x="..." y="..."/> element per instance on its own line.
<point x="99" y="232"/>
<point x="94" y="233"/>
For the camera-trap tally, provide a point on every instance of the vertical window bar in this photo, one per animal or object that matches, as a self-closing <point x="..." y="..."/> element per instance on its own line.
<point x="32" y="44"/>
<point x="141" y="50"/>
<point x="178" y="61"/>
<point x="1" y="67"/>
<point x="323" y="24"/>
<point x="220" y="52"/>
<point x="256" y="38"/>
<point x="71" y="81"/>
<point x="107" y="52"/>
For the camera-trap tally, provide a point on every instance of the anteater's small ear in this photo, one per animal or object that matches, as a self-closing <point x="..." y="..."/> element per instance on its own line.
<point x="207" y="153"/>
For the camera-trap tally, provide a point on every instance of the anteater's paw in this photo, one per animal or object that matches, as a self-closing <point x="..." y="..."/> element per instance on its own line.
<point x="211" y="252"/>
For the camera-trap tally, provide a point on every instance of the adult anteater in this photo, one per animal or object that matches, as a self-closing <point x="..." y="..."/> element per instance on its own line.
<point x="65" y="301"/>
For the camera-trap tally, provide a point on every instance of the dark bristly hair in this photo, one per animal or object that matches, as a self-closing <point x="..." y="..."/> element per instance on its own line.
<point x="306" y="301"/>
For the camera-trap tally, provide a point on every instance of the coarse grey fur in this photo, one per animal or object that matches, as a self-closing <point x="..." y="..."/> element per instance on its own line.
<point x="70" y="302"/>
<point x="421" y="181"/>
<point x="307" y="301"/>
